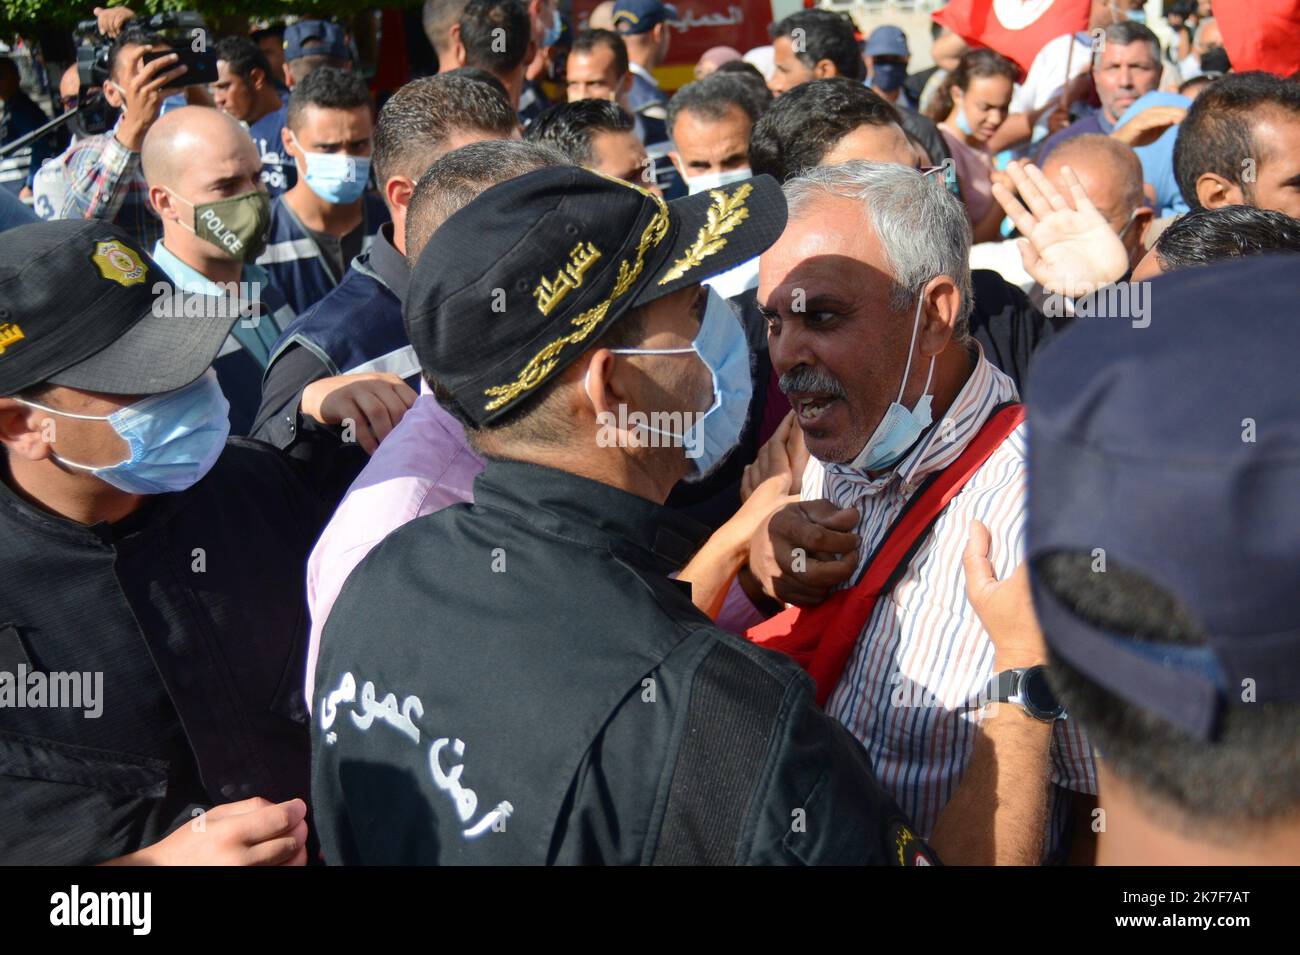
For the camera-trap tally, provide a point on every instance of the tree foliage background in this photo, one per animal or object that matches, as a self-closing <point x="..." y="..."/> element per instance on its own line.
<point x="28" y="17"/>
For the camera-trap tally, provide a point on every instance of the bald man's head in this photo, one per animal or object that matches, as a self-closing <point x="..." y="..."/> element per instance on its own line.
<point x="69" y="83"/>
<point x="1111" y="174"/>
<point x="194" y="156"/>
<point x="192" y="138"/>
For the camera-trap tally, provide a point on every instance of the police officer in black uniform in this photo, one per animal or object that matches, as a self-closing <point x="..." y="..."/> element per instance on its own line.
<point x="152" y="615"/>
<point x="521" y="680"/>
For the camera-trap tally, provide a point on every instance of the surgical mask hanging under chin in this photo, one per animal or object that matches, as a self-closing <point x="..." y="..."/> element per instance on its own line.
<point x="962" y="122"/>
<point x="722" y="347"/>
<point x="335" y="177"/>
<point x="716" y="180"/>
<point x="899" y="428"/>
<point x="174" y="438"/>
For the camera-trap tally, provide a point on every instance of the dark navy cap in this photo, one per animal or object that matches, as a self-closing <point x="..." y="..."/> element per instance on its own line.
<point x="1175" y="449"/>
<point x="516" y="285"/>
<point x="83" y="306"/>
<point x="887" y="41"/>
<point x="315" y="38"/>
<point x="641" y="16"/>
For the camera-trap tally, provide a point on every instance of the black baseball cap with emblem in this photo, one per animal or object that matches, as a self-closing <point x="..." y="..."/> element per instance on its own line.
<point x="515" y="286"/>
<point x="83" y="306"/>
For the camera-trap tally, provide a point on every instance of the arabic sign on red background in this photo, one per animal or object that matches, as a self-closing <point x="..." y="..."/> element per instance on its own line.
<point x="701" y="25"/>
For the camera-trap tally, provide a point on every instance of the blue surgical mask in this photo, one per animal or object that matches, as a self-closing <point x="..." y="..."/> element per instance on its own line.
<point x="962" y="122"/>
<point x="174" y="437"/>
<point x="1119" y="15"/>
<point x="335" y="177"/>
<point x="899" y="428"/>
<point x="722" y="346"/>
<point x="552" y="34"/>
<point x="888" y="77"/>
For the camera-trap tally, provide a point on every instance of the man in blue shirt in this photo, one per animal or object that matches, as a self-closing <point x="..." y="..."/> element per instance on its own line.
<point x="328" y="218"/>
<point x="307" y="45"/>
<point x="244" y="90"/>
<point x="644" y="26"/>
<point x="355" y="333"/>
<point x="1127" y="67"/>
<point x="204" y="181"/>
<point x="886" y="55"/>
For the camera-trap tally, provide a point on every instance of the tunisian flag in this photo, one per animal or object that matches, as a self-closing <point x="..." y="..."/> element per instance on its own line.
<point x="1017" y="29"/>
<point x="1261" y="34"/>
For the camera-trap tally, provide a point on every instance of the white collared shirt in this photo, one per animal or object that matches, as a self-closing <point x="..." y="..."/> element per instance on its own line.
<point x="923" y="653"/>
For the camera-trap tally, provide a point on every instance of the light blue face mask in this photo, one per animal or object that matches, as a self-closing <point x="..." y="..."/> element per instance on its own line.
<point x="336" y="177"/>
<point x="899" y="428"/>
<point x="1135" y="16"/>
<point x="962" y="122"/>
<point x="174" y="437"/>
<point x="552" y="34"/>
<point x="721" y="345"/>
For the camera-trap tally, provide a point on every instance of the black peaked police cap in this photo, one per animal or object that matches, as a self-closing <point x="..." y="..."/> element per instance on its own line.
<point x="519" y="283"/>
<point x="83" y="306"/>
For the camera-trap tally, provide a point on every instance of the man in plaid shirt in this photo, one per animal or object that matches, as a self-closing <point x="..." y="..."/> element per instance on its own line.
<point x="103" y="171"/>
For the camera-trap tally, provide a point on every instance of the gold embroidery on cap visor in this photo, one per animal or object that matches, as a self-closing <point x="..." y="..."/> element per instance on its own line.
<point x="118" y="264"/>
<point x="541" y="364"/>
<point x="9" y="333"/>
<point x="725" y="214"/>
<point x="551" y="291"/>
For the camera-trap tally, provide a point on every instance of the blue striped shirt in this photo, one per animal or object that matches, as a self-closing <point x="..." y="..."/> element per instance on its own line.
<point x="923" y="654"/>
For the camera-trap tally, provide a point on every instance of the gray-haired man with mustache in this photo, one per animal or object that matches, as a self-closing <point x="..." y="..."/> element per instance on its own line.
<point x="867" y="295"/>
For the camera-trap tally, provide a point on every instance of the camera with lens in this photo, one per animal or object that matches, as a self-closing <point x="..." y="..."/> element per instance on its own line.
<point x="186" y="33"/>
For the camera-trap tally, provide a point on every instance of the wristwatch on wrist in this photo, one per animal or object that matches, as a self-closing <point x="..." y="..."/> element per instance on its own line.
<point x="1027" y="688"/>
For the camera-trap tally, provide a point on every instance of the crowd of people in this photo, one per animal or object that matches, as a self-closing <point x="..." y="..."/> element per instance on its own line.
<point x="824" y="464"/>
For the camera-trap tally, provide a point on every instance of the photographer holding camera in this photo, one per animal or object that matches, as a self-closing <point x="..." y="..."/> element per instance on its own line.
<point x="103" y="171"/>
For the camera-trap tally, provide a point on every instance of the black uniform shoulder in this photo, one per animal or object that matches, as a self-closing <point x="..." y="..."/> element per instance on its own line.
<point x="265" y="479"/>
<point x="764" y="776"/>
<point x="247" y="459"/>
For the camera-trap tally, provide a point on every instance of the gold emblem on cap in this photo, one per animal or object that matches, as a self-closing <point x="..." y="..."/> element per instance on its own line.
<point x="541" y="364"/>
<point x="119" y="264"/>
<point x="9" y="333"/>
<point x="551" y="291"/>
<point x="725" y="214"/>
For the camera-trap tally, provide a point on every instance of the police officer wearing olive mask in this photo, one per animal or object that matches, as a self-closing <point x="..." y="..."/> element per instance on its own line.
<point x="151" y="568"/>
<point x="204" y="181"/>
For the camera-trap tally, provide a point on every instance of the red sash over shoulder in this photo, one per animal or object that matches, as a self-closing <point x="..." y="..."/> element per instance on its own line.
<point x="821" y="639"/>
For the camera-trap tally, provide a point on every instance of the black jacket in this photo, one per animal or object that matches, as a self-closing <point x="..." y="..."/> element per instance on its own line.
<point x="193" y="610"/>
<point x="519" y="681"/>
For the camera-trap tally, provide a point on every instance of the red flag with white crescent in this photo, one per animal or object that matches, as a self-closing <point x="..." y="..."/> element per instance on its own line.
<point x="1017" y="29"/>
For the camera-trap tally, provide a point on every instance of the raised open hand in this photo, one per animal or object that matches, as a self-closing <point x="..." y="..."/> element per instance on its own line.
<point x="1068" y="249"/>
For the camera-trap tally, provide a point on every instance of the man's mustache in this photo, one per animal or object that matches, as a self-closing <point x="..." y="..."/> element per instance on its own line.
<point x="802" y="379"/>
